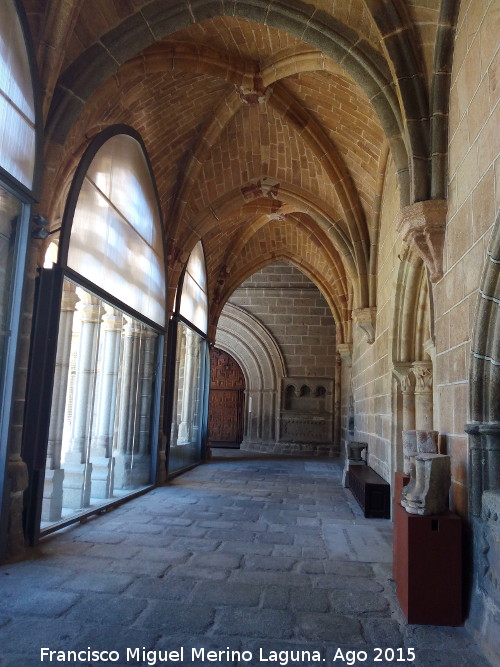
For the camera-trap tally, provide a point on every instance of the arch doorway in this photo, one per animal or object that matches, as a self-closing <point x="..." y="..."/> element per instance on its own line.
<point x="226" y="400"/>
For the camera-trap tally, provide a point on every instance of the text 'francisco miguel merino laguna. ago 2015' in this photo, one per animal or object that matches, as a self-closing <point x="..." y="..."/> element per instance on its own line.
<point x="265" y="656"/>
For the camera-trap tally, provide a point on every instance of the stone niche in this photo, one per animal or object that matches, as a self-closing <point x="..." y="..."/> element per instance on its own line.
<point x="306" y="414"/>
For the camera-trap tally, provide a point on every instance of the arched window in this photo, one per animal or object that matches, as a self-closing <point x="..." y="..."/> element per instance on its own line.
<point x="194" y="304"/>
<point x="19" y="131"/>
<point x="102" y="432"/>
<point x="17" y="101"/>
<point x="116" y="238"/>
<point x="188" y="395"/>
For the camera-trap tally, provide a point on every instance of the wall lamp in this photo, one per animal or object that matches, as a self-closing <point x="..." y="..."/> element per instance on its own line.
<point x="40" y="231"/>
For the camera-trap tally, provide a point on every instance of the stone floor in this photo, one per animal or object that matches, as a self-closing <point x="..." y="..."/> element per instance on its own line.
<point x="255" y="556"/>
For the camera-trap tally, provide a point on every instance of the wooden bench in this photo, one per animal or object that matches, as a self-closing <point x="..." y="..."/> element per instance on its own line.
<point x="371" y="491"/>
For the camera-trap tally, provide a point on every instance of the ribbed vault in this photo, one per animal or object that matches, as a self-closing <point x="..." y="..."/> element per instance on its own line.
<point x="267" y="124"/>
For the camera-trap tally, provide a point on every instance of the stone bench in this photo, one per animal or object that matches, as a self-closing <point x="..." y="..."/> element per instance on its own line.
<point x="371" y="491"/>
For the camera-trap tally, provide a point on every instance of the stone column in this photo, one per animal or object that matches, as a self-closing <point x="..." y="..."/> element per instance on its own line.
<point x="188" y="399"/>
<point x="405" y="377"/>
<point x="344" y="351"/>
<point x="127" y="409"/>
<point x="491" y="436"/>
<point x="141" y="464"/>
<point x="254" y="430"/>
<point x="424" y="412"/>
<point x="146" y="399"/>
<point x="179" y="355"/>
<point x="337" y="406"/>
<point x="476" y="472"/>
<point x="54" y="474"/>
<point x="105" y="404"/>
<point x="77" y="469"/>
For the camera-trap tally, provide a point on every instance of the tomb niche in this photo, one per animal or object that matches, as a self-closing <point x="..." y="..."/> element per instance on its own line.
<point x="306" y="414"/>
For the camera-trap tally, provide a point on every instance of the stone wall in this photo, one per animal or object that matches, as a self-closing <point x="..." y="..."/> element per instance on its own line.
<point x="473" y="204"/>
<point x="370" y="381"/>
<point x="296" y="314"/>
<point x="473" y="199"/>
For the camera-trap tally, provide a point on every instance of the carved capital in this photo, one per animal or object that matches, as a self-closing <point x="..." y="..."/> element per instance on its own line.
<point x="345" y="352"/>
<point x="422" y="226"/>
<point x="403" y="372"/>
<point x="365" y="319"/>
<point x="423" y="376"/>
<point x="69" y="297"/>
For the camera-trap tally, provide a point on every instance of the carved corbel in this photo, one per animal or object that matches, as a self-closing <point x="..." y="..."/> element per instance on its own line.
<point x="403" y="372"/>
<point x="365" y="319"/>
<point x="423" y="376"/>
<point x="422" y="226"/>
<point x="345" y="352"/>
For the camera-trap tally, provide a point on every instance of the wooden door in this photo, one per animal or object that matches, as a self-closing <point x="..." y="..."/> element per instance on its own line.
<point x="225" y="406"/>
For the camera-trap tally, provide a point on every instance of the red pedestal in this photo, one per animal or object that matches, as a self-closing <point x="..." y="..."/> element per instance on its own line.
<point x="400" y="480"/>
<point x="428" y="567"/>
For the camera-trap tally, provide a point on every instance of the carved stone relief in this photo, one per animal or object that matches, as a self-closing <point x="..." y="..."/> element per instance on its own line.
<point x="366" y="320"/>
<point x="418" y="442"/>
<point x="422" y="226"/>
<point x="429" y="485"/>
<point x="491" y="544"/>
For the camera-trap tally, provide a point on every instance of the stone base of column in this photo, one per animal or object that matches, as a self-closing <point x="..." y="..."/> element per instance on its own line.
<point x="52" y="501"/>
<point x="102" y="476"/>
<point x="76" y="485"/>
<point x="183" y="435"/>
<point x="132" y="471"/>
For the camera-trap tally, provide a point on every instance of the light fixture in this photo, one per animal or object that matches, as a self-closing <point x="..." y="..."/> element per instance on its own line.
<point x="40" y="230"/>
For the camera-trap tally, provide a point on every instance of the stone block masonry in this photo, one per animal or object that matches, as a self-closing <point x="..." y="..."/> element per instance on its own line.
<point x="296" y="314"/>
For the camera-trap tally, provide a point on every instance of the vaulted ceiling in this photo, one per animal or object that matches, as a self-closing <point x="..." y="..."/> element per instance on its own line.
<point x="268" y="124"/>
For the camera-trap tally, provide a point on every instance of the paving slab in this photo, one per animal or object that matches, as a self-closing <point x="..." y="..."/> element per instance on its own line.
<point x="305" y="598"/>
<point x="227" y="593"/>
<point x="363" y="543"/>
<point x="99" y="581"/>
<point x="330" y="628"/>
<point x="36" y="602"/>
<point x="160" y="587"/>
<point x="277" y="563"/>
<point x="262" y="623"/>
<point x="175" y="617"/>
<point x="275" y="597"/>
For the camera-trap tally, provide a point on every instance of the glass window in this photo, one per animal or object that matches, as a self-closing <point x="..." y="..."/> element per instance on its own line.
<point x="17" y="108"/>
<point x="194" y="302"/>
<point x="17" y="159"/>
<point x="191" y="366"/>
<point x="10" y="211"/>
<point x="101" y="442"/>
<point x="99" y="446"/>
<point x="116" y="239"/>
<point x="187" y="416"/>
